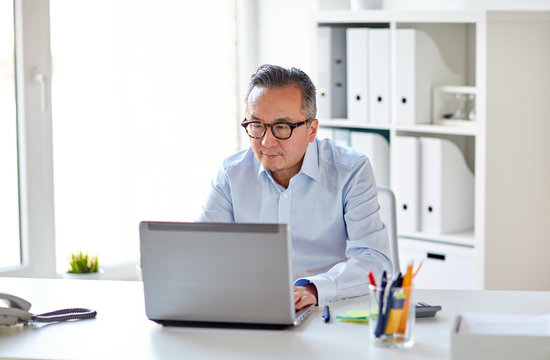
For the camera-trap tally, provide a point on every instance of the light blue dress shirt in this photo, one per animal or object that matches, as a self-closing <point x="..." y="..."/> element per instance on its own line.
<point x="331" y="206"/>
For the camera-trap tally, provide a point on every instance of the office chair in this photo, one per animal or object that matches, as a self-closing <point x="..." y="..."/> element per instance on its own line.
<point x="386" y="200"/>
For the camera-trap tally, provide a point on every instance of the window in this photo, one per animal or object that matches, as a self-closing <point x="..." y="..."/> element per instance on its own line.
<point x="112" y="126"/>
<point x="131" y="84"/>
<point x="10" y="254"/>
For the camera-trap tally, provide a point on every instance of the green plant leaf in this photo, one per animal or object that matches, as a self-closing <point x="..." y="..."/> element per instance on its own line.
<point x="81" y="263"/>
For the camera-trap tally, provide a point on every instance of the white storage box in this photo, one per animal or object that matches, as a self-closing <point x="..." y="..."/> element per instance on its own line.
<point x="500" y="336"/>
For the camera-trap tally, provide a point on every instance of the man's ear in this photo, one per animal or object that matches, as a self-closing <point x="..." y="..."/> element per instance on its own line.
<point x="313" y="129"/>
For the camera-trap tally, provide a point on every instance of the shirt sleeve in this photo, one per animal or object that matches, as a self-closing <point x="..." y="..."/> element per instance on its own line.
<point x="367" y="245"/>
<point x="218" y="206"/>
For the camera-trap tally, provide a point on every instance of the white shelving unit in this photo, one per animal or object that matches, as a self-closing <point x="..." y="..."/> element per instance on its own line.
<point x="504" y="57"/>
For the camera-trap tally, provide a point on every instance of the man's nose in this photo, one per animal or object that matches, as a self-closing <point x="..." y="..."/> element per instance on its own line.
<point x="269" y="139"/>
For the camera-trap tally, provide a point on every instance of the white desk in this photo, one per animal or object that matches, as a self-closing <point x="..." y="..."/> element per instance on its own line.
<point x="121" y="329"/>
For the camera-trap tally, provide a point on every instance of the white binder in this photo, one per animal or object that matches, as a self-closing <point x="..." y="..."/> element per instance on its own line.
<point x="447" y="188"/>
<point x="377" y="149"/>
<point x="357" y="74"/>
<point x="331" y="68"/>
<point x="407" y="182"/>
<point x="419" y="66"/>
<point x="379" y="75"/>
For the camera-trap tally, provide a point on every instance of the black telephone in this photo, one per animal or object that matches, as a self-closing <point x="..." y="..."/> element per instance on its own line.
<point x="17" y="311"/>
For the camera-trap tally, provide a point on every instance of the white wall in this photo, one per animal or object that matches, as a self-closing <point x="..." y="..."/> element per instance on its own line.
<point x="285" y="32"/>
<point x="278" y="32"/>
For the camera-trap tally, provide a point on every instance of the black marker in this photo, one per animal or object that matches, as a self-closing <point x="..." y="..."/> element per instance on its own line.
<point x="326" y="314"/>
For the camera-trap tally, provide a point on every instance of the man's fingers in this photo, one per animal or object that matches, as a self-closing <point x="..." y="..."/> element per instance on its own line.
<point x="303" y="298"/>
<point x="298" y="294"/>
<point x="304" y="301"/>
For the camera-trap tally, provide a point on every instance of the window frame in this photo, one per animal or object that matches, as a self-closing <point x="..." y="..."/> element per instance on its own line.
<point x="34" y="138"/>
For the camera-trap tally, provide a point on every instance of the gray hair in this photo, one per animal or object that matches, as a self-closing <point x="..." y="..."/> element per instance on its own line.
<point x="271" y="76"/>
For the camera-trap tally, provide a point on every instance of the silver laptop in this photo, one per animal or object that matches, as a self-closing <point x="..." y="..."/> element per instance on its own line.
<point x="218" y="274"/>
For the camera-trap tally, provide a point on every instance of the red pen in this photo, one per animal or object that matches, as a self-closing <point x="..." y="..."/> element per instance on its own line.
<point x="371" y="278"/>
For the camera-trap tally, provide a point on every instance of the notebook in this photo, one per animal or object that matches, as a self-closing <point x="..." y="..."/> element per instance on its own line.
<point x="218" y="274"/>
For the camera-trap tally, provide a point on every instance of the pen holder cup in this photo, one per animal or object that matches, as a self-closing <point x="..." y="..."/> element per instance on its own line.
<point x="392" y="316"/>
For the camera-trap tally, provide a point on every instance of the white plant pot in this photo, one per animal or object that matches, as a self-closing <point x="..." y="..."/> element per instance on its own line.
<point x="87" y="276"/>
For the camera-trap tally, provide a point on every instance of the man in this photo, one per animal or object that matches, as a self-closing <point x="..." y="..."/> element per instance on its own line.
<point x="326" y="193"/>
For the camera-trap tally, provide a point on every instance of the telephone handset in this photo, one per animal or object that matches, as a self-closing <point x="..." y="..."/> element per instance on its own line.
<point x="17" y="311"/>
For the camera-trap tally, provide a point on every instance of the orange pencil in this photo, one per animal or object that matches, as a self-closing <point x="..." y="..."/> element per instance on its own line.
<point x="418" y="269"/>
<point x="407" y="281"/>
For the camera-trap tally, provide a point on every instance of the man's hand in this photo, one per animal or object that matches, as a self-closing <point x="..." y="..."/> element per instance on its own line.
<point x="304" y="296"/>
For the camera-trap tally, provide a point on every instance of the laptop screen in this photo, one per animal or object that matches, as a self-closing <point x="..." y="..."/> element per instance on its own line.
<point x="217" y="272"/>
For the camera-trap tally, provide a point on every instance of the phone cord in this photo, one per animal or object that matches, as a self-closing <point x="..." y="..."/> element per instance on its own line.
<point x="65" y="315"/>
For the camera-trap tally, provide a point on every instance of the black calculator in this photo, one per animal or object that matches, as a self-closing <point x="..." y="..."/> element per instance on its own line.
<point x="424" y="310"/>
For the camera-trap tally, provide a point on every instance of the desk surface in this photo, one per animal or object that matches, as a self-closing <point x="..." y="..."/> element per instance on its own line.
<point x="121" y="329"/>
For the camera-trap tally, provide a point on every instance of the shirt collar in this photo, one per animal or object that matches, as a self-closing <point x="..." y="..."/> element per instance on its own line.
<point x="310" y="165"/>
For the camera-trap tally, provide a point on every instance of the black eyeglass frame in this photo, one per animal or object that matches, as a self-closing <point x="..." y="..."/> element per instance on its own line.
<point x="292" y="126"/>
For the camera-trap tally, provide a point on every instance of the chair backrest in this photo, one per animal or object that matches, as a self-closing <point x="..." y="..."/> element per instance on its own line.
<point x="386" y="199"/>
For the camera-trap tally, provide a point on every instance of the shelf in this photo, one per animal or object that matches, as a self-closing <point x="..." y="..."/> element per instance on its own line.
<point x="439" y="129"/>
<point x="464" y="238"/>
<point x="486" y="48"/>
<point x="466" y="124"/>
<point x="374" y="16"/>
<point x="440" y="17"/>
<point x="467" y="130"/>
<point x="344" y="123"/>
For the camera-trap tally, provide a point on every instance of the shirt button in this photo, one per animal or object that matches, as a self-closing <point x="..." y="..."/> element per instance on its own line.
<point x="285" y="196"/>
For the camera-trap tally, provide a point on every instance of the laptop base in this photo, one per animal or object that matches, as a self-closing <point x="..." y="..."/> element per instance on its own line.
<point x="222" y="325"/>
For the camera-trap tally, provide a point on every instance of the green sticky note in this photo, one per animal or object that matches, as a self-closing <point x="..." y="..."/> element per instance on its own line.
<point x="359" y="313"/>
<point x="356" y="316"/>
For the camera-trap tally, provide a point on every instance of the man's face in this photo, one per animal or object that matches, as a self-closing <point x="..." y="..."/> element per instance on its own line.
<point x="282" y="157"/>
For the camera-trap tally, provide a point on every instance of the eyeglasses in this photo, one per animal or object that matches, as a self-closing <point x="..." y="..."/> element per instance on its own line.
<point x="281" y="130"/>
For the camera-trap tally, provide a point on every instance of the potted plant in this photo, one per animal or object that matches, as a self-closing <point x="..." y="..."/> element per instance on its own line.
<point x="83" y="266"/>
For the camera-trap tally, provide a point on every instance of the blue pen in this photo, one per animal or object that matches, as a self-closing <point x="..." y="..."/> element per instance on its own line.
<point x="389" y="305"/>
<point x="326" y="314"/>
<point x="381" y="323"/>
